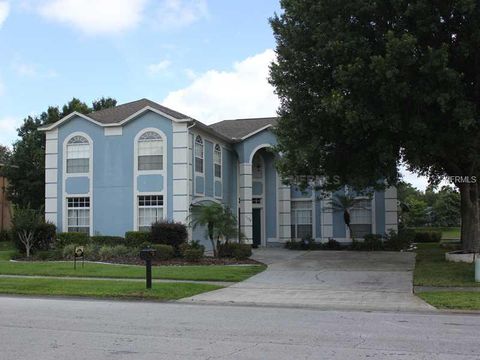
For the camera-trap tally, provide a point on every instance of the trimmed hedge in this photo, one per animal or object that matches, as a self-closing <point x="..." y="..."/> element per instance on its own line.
<point x="427" y="236"/>
<point x="169" y="233"/>
<point x="193" y="254"/>
<point x="235" y="250"/>
<point x="137" y="238"/>
<point x="107" y="240"/>
<point x="74" y="238"/>
<point x="45" y="233"/>
<point x="163" y="252"/>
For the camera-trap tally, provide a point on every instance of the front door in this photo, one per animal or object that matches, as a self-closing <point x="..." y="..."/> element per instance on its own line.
<point x="257" y="227"/>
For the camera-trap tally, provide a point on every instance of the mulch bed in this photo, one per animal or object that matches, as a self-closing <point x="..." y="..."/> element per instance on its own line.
<point x="174" y="262"/>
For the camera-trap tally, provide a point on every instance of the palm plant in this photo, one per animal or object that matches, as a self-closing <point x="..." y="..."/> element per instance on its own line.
<point x="219" y="221"/>
<point x="345" y="203"/>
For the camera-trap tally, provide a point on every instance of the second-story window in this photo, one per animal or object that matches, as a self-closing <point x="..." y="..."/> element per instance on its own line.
<point x="78" y="155"/>
<point x="199" y="154"/>
<point x="217" y="159"/>
<point x="150" y="151"/>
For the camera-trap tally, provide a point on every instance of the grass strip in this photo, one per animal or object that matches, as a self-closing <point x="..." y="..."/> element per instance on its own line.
<point x="464" y="300"/>
<point x="186" y="272"/>
<point x="102" y="289"/>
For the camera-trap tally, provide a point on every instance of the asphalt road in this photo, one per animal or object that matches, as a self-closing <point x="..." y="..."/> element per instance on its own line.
<point x="51" y="329"/>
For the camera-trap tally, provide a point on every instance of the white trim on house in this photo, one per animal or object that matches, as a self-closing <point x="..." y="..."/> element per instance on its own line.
<point x="255" y="132"/>
<point x="66" y="175"/>
<point x="51" y="176"/>
<point x="116" y="124"/>
<point x="113" y="131"/>
<point x="245" y="194"/>
<point x="327" y="217"/>
<point x="137" y="173"/>
<point x="255" y="149"/>
<point x="180" y="173"/>
<point x="391" y="216"/>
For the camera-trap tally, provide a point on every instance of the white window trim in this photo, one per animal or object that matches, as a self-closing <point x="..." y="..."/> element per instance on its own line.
<point x="311" y="200"/>
<point x="372" y="214"/>
<point x="195" y="155"/>
<point x="137" y="173"/>
<point x="65" y="176"/>
<point x="151" y="194"/>
<point x="215" y="178"/>
<point x="90" y="209"/>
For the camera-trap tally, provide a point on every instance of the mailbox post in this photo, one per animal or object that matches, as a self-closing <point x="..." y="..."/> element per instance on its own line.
<point x="147" y="255"/>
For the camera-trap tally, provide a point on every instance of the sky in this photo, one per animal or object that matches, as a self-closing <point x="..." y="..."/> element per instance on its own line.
<point x="206" y="58"/>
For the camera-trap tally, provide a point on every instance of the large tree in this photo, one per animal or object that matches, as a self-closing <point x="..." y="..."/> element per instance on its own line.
<point x="365" y="85"/>
<point x="26" y="166"/>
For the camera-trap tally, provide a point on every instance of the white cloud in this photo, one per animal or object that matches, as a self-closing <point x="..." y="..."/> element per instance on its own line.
<point x="31" y="70"/>
<point x="217" y="95"/>
<point x="8" y="130"/>
<point x="95" y="16"/>
<point x="154" y="69"/>
<point x="4" y="11"/>
<point x="180" y="13"/>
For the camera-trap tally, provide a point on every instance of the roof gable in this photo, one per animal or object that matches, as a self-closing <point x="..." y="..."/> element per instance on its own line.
<point x="240" y="129"/>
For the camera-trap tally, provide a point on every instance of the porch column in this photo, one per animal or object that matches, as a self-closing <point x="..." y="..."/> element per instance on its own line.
<point x="246" y="202"/>
<point x="327" y="217"/>
<point x="180" y="173"/>
<point x="391" y="217"/>
<point x="284" y="212"/>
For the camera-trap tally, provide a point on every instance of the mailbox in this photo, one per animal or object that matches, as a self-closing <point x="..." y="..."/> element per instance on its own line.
<point x="147" y="255"/>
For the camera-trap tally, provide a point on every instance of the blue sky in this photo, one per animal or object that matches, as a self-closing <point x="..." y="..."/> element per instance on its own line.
<point x="206" y="58"/>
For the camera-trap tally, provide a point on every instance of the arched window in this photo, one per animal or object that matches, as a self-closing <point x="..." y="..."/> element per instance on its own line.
<point x="199" y="154"/>
<point x="257" y="167"/>
<point x="217" y="159"/>
<point x="150" y="151"/>
<point x="78" y="155"/>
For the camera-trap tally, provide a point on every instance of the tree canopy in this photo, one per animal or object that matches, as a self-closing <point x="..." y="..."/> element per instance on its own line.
<point x="366" y="85"/>
<point x="25" y="168"/>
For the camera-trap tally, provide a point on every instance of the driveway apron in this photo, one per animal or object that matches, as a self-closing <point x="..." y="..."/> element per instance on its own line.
<point x="343" y="280"/>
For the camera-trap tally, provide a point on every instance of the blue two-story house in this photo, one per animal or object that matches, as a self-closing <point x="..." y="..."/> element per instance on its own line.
<point x="122" y="168"/>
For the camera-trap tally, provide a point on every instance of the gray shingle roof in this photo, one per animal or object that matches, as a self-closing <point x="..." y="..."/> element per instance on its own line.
<point x="123" y="111"/>
<point x="238" y="128"/>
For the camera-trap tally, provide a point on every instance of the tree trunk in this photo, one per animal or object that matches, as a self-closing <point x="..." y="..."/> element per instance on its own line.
<point x="470" y="212"/>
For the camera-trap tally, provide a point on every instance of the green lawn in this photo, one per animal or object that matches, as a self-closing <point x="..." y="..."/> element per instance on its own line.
<point x="453" y="300"/>
<point x="102" y="288"/>
<point x="431" y="269"/>
<point x="447" y="232"/>
<point x="206" y="273"/>
<point x="6" y="250"/>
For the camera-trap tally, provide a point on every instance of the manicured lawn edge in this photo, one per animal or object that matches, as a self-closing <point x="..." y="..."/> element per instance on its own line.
<point x="464" y="300"/>
<point x="431" y="269"/>
<point x="198" y="273"/>
<point x="102" y="289"/>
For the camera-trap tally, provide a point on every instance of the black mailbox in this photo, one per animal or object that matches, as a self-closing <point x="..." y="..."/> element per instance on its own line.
<point x="147" y="255"/>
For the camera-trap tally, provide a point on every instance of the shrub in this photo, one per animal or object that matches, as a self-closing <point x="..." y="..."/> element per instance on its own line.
<point x="69" y="251"/>
<point x="193" y="254"/>
<point x="195" y="244"/>
<point x="294" y="245"/>
<point x="73" y="238"/>
<point x="373" y="242"/>
<point x="107" y="240"/>
<point x="4" y="235"/>
<point x="427" y="236"/>
<point x="332" y="244"/>
<point x="45" y="233"/>
<point x="24" y="226"/>
<point x="235" y="250"/>
<point x="169" y="233"/>
<point x="163" y="252"/>
<point x="399" y="241"/>
<point x="137" y="238"/>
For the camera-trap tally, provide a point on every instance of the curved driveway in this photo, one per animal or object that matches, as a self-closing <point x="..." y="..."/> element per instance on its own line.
<point x="327" y="280"/>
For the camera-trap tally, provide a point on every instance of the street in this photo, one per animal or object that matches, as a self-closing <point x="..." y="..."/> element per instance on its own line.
<point x="93" y="329"/>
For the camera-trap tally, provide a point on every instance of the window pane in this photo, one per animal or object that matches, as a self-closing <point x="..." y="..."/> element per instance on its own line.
<point x="76" y="166"/>
<point x="304" y="231"/>
<point x="199" y="165"/>
<point x="78" y="214"/>
<point x="150" y="162"/>
<point x="360" y="230"/>
<point x="218" y="171"/>
<point x="152" y="147"/>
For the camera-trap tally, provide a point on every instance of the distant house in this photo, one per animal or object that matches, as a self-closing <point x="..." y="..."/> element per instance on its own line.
<point x="123" y="168"/>
<point x="5" y="205"/>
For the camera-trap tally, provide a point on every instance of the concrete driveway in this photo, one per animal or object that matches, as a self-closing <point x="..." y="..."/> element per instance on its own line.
<point x="327" y="280"/>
